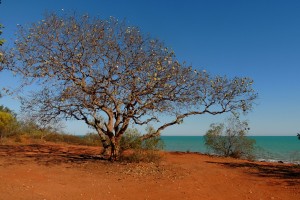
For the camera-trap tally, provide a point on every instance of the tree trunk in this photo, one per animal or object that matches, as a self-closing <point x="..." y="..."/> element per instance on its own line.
<point x="111" y="146"/>
<point x="115" y="148"/>
<point x="106" y="151"/>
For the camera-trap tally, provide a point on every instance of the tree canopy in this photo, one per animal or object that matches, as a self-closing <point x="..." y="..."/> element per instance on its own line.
<point x="1" y="43"/>
<point x="1" y="40"/>
<point x="110" y="75"/>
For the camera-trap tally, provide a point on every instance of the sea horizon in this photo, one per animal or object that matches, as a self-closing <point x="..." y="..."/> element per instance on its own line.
<point x="267" y="148"/>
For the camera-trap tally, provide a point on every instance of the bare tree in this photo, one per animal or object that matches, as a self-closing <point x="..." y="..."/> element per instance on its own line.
<point x="110" y="75"/>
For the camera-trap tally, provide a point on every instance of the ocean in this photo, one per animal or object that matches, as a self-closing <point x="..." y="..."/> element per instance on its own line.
<point x="267" y="148"/>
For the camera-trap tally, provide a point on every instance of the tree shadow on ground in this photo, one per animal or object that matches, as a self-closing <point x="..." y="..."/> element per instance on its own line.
<point x="289" y="173"/>
<point x="50" y="154"/>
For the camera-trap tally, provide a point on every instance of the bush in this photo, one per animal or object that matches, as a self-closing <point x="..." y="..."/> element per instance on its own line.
<point x="33" y="130"/>
<point x="92" y="139"/>
<point x="29" y="127"/>
<point x="8" y="124"/>
<point x="130" y="140"/>
<point x="230" y="140"/>
<point x="141" y="150"/>
<point x="88" y="140"/>
<point x="56" y="137"/>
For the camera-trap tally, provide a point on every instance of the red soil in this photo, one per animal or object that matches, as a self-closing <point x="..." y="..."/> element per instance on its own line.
<point x="51" y="171"/>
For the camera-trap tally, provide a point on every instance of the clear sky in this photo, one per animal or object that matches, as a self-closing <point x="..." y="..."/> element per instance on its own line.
<point x="257" y="38"/>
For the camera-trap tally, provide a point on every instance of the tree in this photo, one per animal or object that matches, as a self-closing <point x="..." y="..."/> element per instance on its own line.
<point x="7" y="123"/>
<point x="110" y="75"/>
<point x="230" y="139"/>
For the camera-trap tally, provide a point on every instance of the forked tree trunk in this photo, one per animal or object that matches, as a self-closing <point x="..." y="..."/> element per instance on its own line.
<point x="105" y="141"/>
<point x="111" y="147"/>
<point x="106" y="152"/>
<point x="115" y="148"/>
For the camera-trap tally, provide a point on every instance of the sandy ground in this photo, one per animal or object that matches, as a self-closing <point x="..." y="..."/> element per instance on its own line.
<point x="51" y="171"/>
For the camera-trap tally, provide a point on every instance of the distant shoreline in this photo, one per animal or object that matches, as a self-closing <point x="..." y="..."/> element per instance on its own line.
<point x="267" y="148"/>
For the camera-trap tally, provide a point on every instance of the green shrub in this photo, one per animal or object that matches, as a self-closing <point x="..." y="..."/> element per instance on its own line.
<point x="54" y="137"/>
<point x="131" y="140"/>
<point x="230" y="140"/>
<point x="32" y="130"/>
<point x="65" y="138"/>
<point x="92" y="139"/>
<point x="141" y="150"/>
<point x="8" y="124"/>
<point x="31" y="127"/>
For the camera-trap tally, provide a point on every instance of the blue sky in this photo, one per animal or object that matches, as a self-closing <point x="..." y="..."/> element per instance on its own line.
<point x="259" y="39"/>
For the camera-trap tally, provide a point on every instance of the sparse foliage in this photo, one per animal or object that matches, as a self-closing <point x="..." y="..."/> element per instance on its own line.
<point x="110" y="75"/>
<point x="1" y="40"/>
<point x="31" y="126"/>
<point x="1" y="43"/>
<point x="92" y="139"/>
<point x="230" y="139"/>
<point x="1" y="51"/>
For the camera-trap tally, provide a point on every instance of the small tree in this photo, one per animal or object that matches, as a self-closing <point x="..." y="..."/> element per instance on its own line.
<point x="8" y="123"/>
<point x="230" y="139"/>
<point x="111" y="75"/>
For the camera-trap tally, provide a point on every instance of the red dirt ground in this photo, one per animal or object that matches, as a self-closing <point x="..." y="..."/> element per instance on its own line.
<point x="52" y="171"/>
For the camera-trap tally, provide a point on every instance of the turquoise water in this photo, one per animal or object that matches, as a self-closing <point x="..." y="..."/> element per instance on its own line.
<point x="269" y="148"/>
